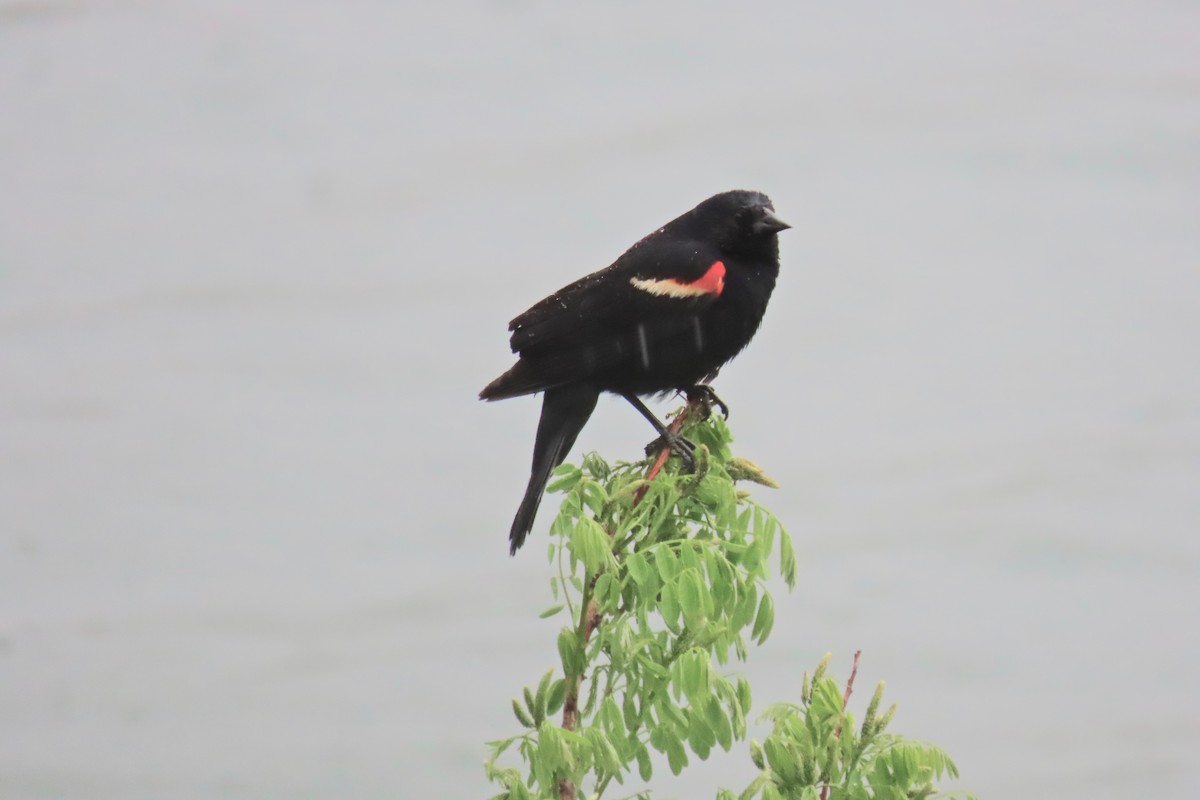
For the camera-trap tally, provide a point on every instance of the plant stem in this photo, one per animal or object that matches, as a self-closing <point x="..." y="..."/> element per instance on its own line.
<point x="845" y="699"/>
<point x="582" y="632"/>
<point x="850" y="685"/>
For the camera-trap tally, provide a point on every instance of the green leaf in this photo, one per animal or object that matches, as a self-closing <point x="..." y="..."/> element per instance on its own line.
<point x="787" y="558"/>
<point x="688" y="559"/>
<point x="593" y="690"/>
<point x="756" y="754"/>
<point x="590" y="544"/>
<point x="659" y="735"/>
<point x="666" y="564"/>
<point x="647" y="593"/>
<point x="620" y="640"/>
<point x="550" y="612"/>
<point x="765" y="533"/>
<point x="639" y="569"/>
<point x="718" y="723"/>
<point x="554" y="698"/>
<point x="676" y="756"/>
<point x="694" y="671"/>
<point x="700" y="737"/>
<point x="597" y="466"/>
<point x="543" y="686"/>
<point x="765" y="619"/>
<point x="743" y="694"/>
<point x="565" y="478"/>
<point x="606" y="591"/>
<point x="722" y="582"/>
<point x="741" y="525"/>
<point x="652" y="666"/>
<point x="669" y="606"/>
<point x="732" y="705"/>
<point x="783" y="760"/>
<point x="551" y="754"/>
<point x="747" y="603"/>
<point x="631" y="516"/>
<point x="561" y="525"/>
<point x="535" y="708"/>
<point x="645" y="768"/>
<point x="676" y="716"/>
<point x="826" y="702"/>
<point x="629" y="712"/>
<point x="603" y="752"/>
<point x="569" y="652"/>
<point x="594" y="496"/>
<point x="691" y="599"/>
<point x="610" y="718"/>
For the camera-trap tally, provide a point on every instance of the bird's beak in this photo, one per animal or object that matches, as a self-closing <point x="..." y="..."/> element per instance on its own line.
<point x="769" y="223"/>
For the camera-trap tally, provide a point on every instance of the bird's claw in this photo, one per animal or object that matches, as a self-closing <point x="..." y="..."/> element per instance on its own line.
<point x="705" y="396"/>
<point x="682" y="447"/>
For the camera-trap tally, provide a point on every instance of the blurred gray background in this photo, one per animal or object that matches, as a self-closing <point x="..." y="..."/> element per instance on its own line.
<point x="256" y="260"/>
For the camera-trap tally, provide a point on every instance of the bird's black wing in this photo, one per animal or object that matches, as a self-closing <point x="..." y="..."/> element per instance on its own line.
<point x="652" y="293"/>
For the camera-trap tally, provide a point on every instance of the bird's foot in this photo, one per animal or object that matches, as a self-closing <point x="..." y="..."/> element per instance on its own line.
<point x="682" y="447"/>
<point x="706" y="397"/>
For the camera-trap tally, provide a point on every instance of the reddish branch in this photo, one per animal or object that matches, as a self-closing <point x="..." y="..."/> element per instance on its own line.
<point x="845" y="699"/>
<point x="570" y="717"/>
<point x="663" y="453"/>
<point x="571" y="697"/>
<point x="850" y="685"/>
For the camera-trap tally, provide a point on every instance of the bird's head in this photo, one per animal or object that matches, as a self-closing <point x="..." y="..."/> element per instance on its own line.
<point x="738" y="221"/>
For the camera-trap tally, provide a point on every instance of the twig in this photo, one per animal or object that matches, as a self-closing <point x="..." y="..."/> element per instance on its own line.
<point x="664" y="453"/>
<point x="845" y="699"/>
<point x="850" y="684"/>
<point x="570" y="715"/>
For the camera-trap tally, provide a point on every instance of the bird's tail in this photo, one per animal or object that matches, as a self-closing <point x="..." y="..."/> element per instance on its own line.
<point x="565" y="411"/>
<point x="521" y="379"/>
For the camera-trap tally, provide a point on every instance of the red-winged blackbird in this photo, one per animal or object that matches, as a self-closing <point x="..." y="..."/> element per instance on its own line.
<point x="665" y="316"/>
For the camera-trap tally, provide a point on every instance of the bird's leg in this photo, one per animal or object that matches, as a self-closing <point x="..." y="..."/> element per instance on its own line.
<point x="676" y="442"/>
<point x="706" y="396"/>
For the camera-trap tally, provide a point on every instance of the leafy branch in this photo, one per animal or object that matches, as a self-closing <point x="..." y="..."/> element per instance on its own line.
<point x="662" y="577"/>
<point x="815" y="751"/>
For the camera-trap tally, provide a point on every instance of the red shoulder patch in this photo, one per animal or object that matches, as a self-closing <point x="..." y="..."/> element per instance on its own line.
<point x="711" y="282"/>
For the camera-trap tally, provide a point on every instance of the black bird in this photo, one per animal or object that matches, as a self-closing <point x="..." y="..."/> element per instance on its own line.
<point x="665" y="316"/>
